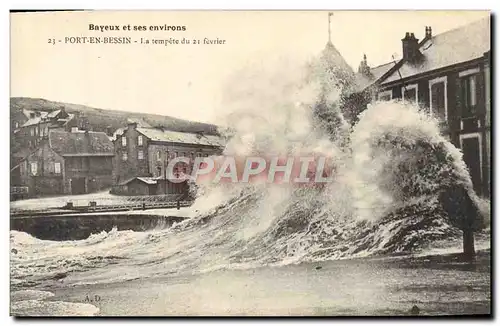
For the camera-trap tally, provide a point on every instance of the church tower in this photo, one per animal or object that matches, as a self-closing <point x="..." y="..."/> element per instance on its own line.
<point x="336" y="78"/>
<point x="337" y="71"/>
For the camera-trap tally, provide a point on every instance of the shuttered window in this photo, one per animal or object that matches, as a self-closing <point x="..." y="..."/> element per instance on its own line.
<point x="438" y="99"/>
<point x="469" y="94"/>
<point x="34" y="168"/>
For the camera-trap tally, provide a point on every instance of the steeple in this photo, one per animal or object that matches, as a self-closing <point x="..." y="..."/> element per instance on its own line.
<point x="330" y="14"/>
<point x="332" y="64"/>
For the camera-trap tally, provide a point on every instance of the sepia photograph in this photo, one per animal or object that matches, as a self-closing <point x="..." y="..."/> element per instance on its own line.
<point x="250" y="163"/>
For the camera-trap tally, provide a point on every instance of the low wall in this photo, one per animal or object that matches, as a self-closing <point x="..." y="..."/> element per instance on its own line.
<point x="78" y="226"/>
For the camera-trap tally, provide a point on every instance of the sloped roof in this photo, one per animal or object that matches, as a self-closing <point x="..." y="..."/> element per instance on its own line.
<point x="181" y="137"/>
<point x="54" y="114"/>
<point x="362" y="81"/>
<point x="331" y="69"/>
<point x="140" y="122"/>
<point x="458" y="45"/>
<point x="333" y="57"/>
<point x="27" y="112"/>
<point x="146" y="180"/>
<point x="80" y="143"/>
<point x="35" y="120"/>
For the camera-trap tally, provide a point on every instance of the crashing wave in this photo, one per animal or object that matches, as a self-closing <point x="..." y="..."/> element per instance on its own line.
<point x="383" y="198"/>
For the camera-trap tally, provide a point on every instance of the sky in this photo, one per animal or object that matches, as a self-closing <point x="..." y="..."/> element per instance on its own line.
<point x="190" y="81"/>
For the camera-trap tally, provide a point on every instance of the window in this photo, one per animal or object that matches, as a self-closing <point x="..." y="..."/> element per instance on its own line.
<point x="410" y="93"/>
<point x="124" y="141"/>
<point x="158" y="155"/>
<point x="124" y="156"/>
<point x="57" y="168"/>
<point x="140" y="155"/>
<point x="76" y="163"/>
<point x="34" y="168"/>
<point x="158" y="171"/>
<point x="37" y="131"/>
<point x="173" y="155"/>
<point x="139" y="140"/>
<point x="16" y="125"/>
<point x="438" y="95"/>
<point x="32" y="131"/>
<point x="385" y="95"/>
<point x="468" y="93"/>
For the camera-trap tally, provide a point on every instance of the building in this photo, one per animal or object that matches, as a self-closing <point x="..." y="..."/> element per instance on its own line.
<point x="449" y="75"/>
<point x="30" y="133"/>
<point x="140" y="186"/>
<point x="66" y="162"/>
<point x="142" y="155"/>
<point x="19" y="117"/>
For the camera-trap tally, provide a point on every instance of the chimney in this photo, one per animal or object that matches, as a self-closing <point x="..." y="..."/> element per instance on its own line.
<point x="428" y="32"/>
<point x="109" y="131"/>
<point x="131" y="125"/>
<point x="411" y="53"/>
<point x="84" y="123"/>
<point x="63" y="113"/>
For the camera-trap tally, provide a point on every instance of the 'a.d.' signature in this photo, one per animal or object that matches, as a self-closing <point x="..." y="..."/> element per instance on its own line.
<point x="93" y="298"/>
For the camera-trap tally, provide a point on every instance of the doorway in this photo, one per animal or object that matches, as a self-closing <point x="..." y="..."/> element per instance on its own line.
<point x="471" y="148"/>
<point x="77" y="186"/>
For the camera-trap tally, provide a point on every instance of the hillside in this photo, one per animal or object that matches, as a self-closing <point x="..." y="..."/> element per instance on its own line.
<point x="100" y="119"/>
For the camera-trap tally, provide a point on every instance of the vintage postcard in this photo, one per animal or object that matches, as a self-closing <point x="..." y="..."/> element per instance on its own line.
<point x="250" y="163"/>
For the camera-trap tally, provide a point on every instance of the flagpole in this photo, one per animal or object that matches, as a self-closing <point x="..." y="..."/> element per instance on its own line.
<point x="330" y="14"/>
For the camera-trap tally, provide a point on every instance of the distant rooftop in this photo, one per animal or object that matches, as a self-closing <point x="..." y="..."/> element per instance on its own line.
<point x="181" y="137"/>
<point x="35" y="120"/>
<point x="377" y="72"/>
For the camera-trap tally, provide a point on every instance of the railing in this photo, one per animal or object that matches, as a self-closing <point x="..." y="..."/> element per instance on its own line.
<point x="19" y="190"/>
<point x="132" y="206"/>
<point x="119" y="200"/>
<point x="115" y="203"/>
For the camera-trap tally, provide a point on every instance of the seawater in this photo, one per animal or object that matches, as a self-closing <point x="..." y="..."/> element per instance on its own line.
<point x="382" y="200"/>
